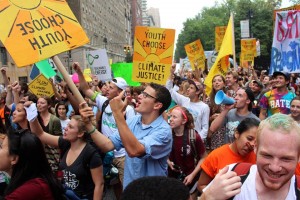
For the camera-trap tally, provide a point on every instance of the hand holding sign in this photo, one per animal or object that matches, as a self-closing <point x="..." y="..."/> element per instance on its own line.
<point x="76" y="67"/>
<point x="86" y="112"/>
<point x="15" y="86"/>
<point x="3" y="70"/>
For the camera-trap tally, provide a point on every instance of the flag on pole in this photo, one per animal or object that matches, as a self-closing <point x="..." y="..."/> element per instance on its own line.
<point x="222" y="61"/>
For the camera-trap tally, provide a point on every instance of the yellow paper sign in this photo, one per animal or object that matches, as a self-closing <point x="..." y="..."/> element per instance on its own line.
<point x="219" y="35"/>
<point x="153" y="54"/>
<point x="195" y="54"/>
<point x="248" y="52"/>
<point x="41" y="86"/>
<point x="87" y="75"/>
<point x="38" y="29"/>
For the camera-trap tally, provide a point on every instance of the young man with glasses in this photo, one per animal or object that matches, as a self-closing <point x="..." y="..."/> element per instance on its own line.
<point x="147" y="137"/>
<point x="107" y="123"/>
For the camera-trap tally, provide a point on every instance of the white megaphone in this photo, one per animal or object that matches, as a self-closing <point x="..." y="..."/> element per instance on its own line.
<point x="222" y="98"/>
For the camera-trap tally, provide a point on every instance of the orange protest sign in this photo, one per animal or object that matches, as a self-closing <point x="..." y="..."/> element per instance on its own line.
<point x="153" y="54"/>
<point x="195" y="54"/>
<point x="38" y="29"/>
<point x="219" y="35"/>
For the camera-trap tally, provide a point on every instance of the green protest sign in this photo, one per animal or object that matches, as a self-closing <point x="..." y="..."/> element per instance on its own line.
<point x="124" y="70"/>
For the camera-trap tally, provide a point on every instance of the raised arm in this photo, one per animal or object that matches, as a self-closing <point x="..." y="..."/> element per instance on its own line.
<point x="9" y="97"/>
<point x="36" y="128"/>
<point x="4" y="75"/>
<point x="218" y="121"/>
<point x="56" y="93"/>
<point x="84" y="86"/>
<point x="15" y="91"/>
<point x="73" y="101"/>
<point x="104" y="143"/>
<point x="132" y="146"/>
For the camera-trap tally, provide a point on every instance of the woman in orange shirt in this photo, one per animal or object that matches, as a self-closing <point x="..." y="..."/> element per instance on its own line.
<point x="241" y="150"/>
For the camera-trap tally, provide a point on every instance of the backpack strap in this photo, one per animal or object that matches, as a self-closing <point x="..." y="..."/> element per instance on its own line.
<point x="104" y="105"/>
<point x="297" y="186"/>
<point x="192" y="136"/>
<point x="242" y="170"/>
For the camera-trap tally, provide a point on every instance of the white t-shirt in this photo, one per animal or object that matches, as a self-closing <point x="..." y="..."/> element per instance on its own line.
<point x="199" y="110"/>
<point x="109" y="126"/>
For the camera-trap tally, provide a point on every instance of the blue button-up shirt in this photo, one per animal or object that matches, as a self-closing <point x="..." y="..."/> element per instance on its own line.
<point x="157" y="140"/>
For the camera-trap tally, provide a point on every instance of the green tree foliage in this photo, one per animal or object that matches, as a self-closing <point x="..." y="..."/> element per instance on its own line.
<point x="203" y="25"/>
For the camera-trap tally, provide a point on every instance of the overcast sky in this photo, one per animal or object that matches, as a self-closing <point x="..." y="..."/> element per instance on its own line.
<point x="173" y="13"/>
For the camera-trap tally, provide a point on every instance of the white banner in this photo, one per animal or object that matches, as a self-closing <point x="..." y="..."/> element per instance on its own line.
<point x="99" y="63"/>
<point x="285" y="52"/>
<point x="245" y="32"/>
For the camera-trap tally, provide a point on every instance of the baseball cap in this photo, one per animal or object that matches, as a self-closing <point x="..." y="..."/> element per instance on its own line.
<point x="195" y="83"/>
<point x="120" y="83"/>
<point x="259" y="84"/>
<point x="285" y="74"/>
<point x="250" y="94"/>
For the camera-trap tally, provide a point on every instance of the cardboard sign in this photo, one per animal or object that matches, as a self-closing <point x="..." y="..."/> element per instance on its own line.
<point x="35" y="30"/>
<point x="99" y="63"/>
<point x="195" y="54"/>
<point x="153" y="54"/>
<point x="41" y="86"/>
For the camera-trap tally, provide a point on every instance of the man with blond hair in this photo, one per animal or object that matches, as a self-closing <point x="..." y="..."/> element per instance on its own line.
<point x="272" y="177"/>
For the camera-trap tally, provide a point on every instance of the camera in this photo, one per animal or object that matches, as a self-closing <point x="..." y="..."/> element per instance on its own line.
<point x="176" y="167"/>
<point x="181" y="176"/>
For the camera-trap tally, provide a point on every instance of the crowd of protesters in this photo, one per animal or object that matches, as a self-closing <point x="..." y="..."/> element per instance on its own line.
<point x="60" y="148"/>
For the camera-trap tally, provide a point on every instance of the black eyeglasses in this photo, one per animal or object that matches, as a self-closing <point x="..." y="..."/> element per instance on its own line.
<point x="146" y="95"/>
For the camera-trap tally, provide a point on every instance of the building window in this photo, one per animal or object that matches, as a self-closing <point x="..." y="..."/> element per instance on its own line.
<point x="3" y="56"/>
<point x="23" y="79"/>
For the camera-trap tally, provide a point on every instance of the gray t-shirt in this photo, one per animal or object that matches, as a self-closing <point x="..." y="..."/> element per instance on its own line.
<point x="231" y="121"/>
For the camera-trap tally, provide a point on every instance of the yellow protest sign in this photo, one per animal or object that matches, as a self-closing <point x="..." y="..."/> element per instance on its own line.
<point x="248" y="52"/>
<point x="87" y="74"/>
<point x="219" y="35"/>
<point x="38" y="29"/>
<point x="195" y="54"/>
<point x="41" y="86"/>
<point x="153" y="54"/>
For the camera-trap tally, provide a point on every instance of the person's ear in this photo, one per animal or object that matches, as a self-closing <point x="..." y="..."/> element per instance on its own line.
<point x="14" y="159"/>
<point x="80" y="135"/>
<point x="158" y="105"/>
<point x="248" y="101"/>
<point x="236" y="135"/>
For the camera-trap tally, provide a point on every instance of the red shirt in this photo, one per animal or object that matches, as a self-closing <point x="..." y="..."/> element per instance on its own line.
<point x="33" y="189"/>
<point x="186" y="163"/>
